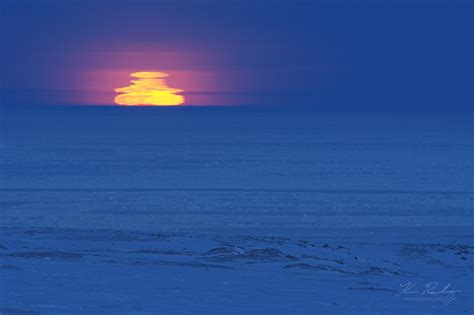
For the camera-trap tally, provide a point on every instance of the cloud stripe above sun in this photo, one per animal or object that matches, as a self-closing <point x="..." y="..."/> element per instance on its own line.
<point x="149" y="89"/>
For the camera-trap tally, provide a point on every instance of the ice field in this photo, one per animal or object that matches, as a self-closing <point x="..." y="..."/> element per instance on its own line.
<point x="235" y="211"/>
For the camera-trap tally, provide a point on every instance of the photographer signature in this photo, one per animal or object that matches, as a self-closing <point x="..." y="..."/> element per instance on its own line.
<point x="430" y="288"/>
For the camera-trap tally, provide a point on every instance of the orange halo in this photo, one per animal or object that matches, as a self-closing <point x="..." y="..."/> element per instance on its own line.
<point x="149" y="89"/>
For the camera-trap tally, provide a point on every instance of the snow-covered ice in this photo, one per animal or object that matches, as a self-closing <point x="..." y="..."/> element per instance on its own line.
<point x="234" y="211"/>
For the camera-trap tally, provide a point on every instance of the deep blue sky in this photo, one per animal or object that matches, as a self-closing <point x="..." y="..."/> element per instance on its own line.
<point x="328" y="55"/>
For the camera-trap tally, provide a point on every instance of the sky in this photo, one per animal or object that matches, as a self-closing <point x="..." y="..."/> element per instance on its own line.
<point x="324" y="55"/>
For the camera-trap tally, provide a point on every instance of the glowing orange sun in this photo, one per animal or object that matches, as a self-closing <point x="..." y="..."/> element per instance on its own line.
<point x="150" y="88"/>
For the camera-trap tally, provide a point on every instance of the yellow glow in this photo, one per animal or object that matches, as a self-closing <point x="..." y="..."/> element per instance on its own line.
<point x="150" y="88"/>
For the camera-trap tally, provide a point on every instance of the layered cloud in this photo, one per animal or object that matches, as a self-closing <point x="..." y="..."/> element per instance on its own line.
<point x="149" y="88"/>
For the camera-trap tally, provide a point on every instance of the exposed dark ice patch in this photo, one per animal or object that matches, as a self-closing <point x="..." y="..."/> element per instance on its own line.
<point x="48" y="254"/>
<point x="11" y="311"/>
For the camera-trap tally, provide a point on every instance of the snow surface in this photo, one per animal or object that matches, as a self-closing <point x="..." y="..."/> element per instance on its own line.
<point x="235" y="211"/>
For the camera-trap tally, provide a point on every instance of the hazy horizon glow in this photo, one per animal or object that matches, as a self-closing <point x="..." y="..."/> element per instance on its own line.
<point x="150" y="89"/>
<point x="312" y="54"/>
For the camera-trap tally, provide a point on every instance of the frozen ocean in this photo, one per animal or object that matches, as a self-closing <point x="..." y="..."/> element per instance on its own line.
<point x="119" y="210"/>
